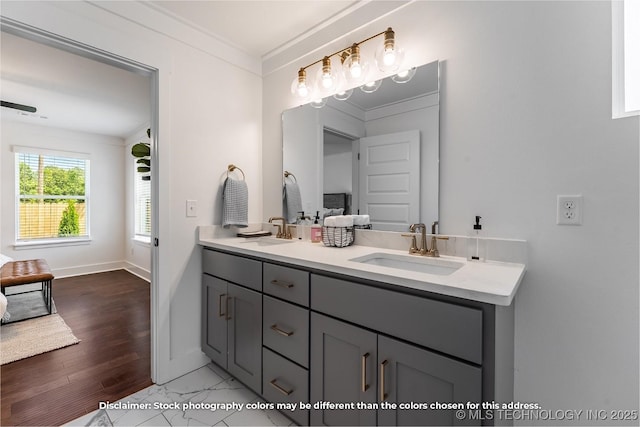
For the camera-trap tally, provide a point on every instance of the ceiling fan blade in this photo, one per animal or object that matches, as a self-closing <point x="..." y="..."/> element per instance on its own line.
<point x="20" y="107"/>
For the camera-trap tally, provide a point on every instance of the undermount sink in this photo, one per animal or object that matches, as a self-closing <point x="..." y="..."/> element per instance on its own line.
<point x="267" y="241"/>
<point x="415" y="263"/>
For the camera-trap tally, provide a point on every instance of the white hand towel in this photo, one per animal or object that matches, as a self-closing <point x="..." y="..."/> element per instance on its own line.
<point x="330" y="221"/>
<point x="235" y="203"/>
<point x="292" y="201"/>
<point x="344" y="221"/>
<point x="361" y="220"/>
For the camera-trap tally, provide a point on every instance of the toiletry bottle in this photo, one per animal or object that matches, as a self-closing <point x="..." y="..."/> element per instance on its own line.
<point x="316" y="229"/>
<point x="476" y="244"/>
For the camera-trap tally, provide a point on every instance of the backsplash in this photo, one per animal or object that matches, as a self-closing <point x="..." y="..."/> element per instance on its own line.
<point x="498" y="249"/>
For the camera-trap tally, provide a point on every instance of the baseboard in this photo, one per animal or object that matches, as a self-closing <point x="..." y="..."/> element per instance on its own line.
<point x="136" y="270"/>
<point x="80" y="270"/>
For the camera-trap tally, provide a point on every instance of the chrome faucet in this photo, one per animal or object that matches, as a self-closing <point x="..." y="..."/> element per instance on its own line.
<point x="283" y="231"/>
<point x="433" y="252"/>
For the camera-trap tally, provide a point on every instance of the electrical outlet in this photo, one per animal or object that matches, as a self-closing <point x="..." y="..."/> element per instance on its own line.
<point x="569" y="210"/>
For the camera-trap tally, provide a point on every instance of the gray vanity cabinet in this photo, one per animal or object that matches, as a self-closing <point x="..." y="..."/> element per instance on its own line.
<point x="214" y="326"/>
<point x="285" y="332"/>
<point x="232" y="316"/>
<point x="343" y="364"/>
<point x="411" y="374"/>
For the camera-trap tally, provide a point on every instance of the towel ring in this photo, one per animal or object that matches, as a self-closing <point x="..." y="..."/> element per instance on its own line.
<point x="233" y="167"/>
<point x="287" y="174"/>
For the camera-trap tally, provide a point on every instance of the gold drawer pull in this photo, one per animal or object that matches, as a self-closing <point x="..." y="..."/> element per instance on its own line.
<point x="280" y="389"/>
<point x="220" y="313"/>
<point x="280" y="331"/>
<point x="287" y="285"/>
<point x="383" y="395"/>
<point x="365" y="386"/>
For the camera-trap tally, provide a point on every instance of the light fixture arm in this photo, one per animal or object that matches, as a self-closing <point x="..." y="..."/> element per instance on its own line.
<point x="347" y="51"/>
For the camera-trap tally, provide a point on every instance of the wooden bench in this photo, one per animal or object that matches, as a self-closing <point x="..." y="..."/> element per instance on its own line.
<point x="17" y="273"/>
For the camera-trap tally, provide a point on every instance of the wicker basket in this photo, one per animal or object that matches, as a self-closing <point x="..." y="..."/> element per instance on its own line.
<point x="338" y="237"/>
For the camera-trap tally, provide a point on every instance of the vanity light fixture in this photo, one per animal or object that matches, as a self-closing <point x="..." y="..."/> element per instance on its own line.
<point x="354" y="68"/>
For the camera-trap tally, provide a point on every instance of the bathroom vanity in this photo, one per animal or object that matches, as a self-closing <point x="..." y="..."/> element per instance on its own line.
<point x="301" y="322"/>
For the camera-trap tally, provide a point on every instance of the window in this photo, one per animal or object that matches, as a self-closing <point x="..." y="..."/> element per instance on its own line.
<point x="626" y="57"/>
<point x="142" y="189"/>
<point x="52" y="195"/>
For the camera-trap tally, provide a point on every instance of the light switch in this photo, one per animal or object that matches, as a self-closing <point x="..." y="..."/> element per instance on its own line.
<point x="192" y="208"/>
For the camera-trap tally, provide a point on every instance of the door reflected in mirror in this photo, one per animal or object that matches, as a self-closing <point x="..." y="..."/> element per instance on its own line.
<point x="374" y="153"/>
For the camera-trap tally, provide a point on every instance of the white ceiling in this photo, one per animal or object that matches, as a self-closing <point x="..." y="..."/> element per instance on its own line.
<point x="70" y="91"/>
<point x="256" y="27"/>
<point x="73" y="92"/>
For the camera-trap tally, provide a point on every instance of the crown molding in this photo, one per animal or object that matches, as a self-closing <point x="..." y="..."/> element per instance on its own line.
<point x="339" y="27"/>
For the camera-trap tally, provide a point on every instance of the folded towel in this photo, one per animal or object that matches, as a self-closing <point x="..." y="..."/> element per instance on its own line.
<point x="330" y="221"/>
<point x="361" y="220"/>
<point x="292" y="201"/>
<point x="235" y="203"/>
<point x="344" y="221"/>
<point x="339" y="221"/>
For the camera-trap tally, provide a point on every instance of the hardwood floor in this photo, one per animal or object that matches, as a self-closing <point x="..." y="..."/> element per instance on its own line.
<point x="110" y="313"/>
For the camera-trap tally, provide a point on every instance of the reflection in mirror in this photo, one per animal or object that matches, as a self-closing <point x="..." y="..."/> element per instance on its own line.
<point x="374" y="153"/>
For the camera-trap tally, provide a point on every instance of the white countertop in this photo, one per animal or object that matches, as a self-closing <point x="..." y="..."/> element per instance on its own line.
<point x="490" y="282"/>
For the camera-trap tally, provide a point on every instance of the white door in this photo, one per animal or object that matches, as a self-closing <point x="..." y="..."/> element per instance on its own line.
<point x="389" y="180"/>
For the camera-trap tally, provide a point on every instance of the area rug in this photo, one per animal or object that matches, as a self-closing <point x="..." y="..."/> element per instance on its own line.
<point x="27" y="305"/>
<point x="34" y="336"/>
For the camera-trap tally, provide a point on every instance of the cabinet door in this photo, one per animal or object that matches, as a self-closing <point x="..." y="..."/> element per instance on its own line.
<point x="214" y="322"/>
<point x="245" y="336"/>
<point x="343" y="361"/>
<point x="411" y="374"/>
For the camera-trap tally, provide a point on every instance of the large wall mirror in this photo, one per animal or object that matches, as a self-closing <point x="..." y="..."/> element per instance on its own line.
<point x="374" y="153"/>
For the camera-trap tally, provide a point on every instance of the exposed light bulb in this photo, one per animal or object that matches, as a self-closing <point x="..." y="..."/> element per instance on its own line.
<point x="389" y="56"/>
<point x="300" y="87"/>
<point x="355" y="69"/>
<point x="327" y="78"/>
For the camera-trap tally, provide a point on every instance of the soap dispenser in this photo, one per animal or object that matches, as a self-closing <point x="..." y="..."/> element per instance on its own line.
<point x="476" y="244"/>
<point x="316" y="229"/>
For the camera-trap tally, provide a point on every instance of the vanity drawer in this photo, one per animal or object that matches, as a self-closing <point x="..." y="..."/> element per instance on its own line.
<point x="286" y="283"/>
<point x="284" y="381"/>
<point x="285" y="329"/>
<point x="450" y="328"/>
<point x="243" y="271"/>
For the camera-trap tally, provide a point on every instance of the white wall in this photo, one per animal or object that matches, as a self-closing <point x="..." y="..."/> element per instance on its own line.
<point x="209" y="116"/>
<point x="106" y="203"/>
<point x="526" y="115"/>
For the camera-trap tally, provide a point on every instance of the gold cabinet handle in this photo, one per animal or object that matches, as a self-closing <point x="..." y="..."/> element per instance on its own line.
<point x="383" y="395"/>
<point x="365" y="386"/>
<point x="280" y="389"/>
<point x="220" y="313"/>
<point x="280" y="331"/>
<point x="227" y="306"/>
<point x="280" y="283"/>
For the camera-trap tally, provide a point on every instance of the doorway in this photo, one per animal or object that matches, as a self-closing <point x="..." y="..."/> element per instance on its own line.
<point x="70" y="46"/>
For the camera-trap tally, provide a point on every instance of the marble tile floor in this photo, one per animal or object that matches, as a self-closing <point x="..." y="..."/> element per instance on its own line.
<point x="168" y="404"/>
